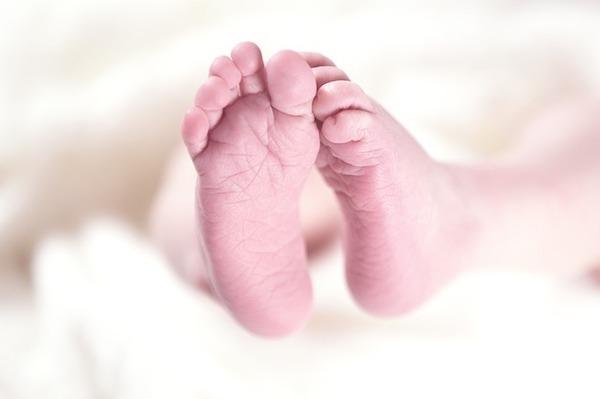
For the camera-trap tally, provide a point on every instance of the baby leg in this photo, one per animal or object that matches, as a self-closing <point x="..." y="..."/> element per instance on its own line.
<point x="412" y="223"/>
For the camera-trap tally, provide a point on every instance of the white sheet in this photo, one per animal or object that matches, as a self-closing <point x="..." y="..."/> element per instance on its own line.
<point x="92" y="94"/>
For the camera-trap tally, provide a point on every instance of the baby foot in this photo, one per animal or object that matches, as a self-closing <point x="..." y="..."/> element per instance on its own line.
<point x="405" y="230"/>
<point x="253" y="140"/>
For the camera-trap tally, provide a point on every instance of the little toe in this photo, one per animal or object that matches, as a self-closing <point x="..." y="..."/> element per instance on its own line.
<point x="291" y="83"/>
<point x="248" y="60"/>
<point x="194" y="131"/>
<point x="336" y="96"/>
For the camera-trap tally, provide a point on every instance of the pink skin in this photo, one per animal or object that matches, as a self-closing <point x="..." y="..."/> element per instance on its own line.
<point x="395" y="199"/>
<point x="174" y="230"/>
<point x="411" y="223"/>
<point x="538" y="205"/>
<point x="253" y="139"/>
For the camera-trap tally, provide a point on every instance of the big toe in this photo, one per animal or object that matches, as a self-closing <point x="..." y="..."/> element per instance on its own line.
<point x="291" y="83"/>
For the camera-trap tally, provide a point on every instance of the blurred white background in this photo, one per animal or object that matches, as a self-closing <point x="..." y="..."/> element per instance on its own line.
<point x="91" y="96"/>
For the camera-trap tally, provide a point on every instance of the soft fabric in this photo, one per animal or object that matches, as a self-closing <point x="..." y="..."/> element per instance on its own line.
<point x="92" y="98"/>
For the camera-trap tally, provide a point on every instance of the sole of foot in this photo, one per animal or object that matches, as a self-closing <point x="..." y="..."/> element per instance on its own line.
<point x="253" y="140"/>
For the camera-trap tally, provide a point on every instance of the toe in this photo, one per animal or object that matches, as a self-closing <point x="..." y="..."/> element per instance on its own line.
<point x="247" y="57"/>
<point x="326" y="74"/>
<point x="339" y="95"/>
<point x="248" y="60"/>
<point x="213" y="95"/>
<point x="347" y="126"/>
<point x="224" y="68"/>
<point x="194" y="131"/>
<point x="291" y="83"/>
<point x="316" y="59"/>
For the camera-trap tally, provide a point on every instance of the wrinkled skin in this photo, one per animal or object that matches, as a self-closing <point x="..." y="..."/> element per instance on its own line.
<point x="253" y="140"/>
<point x="411" y="223"/>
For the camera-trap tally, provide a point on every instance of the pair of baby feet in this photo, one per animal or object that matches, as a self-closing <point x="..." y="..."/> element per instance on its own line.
<point x="254" y="134"/>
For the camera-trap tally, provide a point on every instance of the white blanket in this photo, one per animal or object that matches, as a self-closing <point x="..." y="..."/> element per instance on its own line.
<point x="92" y="94"/>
